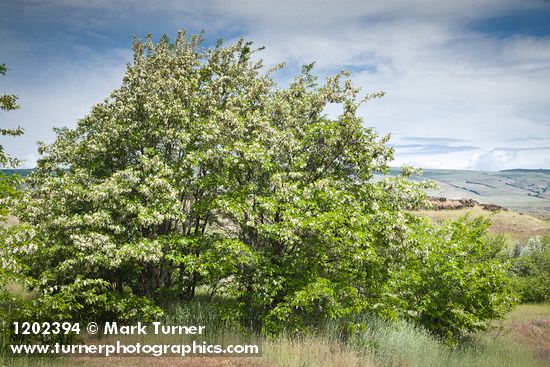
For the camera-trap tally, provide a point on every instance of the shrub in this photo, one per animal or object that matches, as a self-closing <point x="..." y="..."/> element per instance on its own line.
<point x="532" y="270"/>
<point x="451" y="283"/>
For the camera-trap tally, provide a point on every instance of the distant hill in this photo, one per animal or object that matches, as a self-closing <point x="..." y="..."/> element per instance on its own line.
<point x="524" y="170"/>
<point x="521" y="189"/>
<point x="23" y="172"/>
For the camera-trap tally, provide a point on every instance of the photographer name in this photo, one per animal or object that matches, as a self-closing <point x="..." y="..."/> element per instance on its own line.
<point x="156" y="328"/>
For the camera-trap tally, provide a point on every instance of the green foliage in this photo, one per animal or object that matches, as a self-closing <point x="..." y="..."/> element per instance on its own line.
<point x="8" y="102"/>
<point x="10" y="253"/>
<point x="93" y="303"/>
<point x="8" y="185"/>
<point x="82" y="301"/>
<point x="199" y="172"/>
<point x="532" y="270"/>
<point x="452" y="282"/>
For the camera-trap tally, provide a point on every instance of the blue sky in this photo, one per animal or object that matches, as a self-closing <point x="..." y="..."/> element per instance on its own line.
<point x="467" y="82"/>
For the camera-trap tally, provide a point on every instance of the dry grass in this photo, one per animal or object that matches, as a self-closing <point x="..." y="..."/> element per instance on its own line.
<point x="311" y="352"/>
<point x="529" y="324"/>
<point x="529" y="312"/>
<point x="513" y="224"/>
<point x="38" y="362"/>
<point x="134" y="362"/>
<point x="170" y="362"/>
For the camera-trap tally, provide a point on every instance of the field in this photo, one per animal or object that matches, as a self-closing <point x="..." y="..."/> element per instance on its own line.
<point x="529" y="324"/>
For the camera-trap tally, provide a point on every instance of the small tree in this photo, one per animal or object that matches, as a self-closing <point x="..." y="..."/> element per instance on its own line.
<point x="9" y="188"/>
<point x="8" y="184"/>
<point x="198" y="171"/>
<point x="452" y="281"/>
<point x="8" y="102"/>
<point x="531" y="270"/>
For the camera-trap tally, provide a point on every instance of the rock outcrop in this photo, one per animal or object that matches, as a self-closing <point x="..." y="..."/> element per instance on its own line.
<point x="442" y="203"/>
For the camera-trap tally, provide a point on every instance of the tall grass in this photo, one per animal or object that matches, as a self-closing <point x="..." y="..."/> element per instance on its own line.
<point x="9" y="361"/>
<point x="402" y="344"/>
<point x="313" y="351"/>
<point x="529" y="312"/>
<point x="197" y="312"/>
<point x="395" y="344"/>
<point x="381" y="344"/>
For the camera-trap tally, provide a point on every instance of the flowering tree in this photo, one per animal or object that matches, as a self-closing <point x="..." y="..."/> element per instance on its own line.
<point x="199" y="172"/>
<point x="8" y="102"/>
<point x="9" y="253"/>
<point x="8" y="185"/>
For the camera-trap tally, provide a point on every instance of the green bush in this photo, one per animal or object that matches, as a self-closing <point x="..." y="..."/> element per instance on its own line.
<point x="532" y="270"/>
<point x="451" y="283"/>
<point x="83" y="301"/>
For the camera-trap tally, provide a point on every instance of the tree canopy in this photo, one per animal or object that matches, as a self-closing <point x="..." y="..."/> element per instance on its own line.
<point x="8" y="185"/>
<point x="8" y="102"/>
<point x="9" y="190"/>
<point x="200" y="172"/>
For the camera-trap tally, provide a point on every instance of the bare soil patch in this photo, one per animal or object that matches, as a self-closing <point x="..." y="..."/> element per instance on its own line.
<point x="171" y="361"/>
<point x="535" y="334"/>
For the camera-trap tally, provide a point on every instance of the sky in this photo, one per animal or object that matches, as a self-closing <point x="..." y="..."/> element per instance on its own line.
<point x="467" y="82"/>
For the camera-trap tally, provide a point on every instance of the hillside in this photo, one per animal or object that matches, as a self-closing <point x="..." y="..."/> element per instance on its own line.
<point x="23" y="172"/>
<point x="522" y="190"/>
<point x="517" y="226"/>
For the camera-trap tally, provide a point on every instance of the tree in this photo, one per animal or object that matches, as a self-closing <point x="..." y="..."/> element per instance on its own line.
<point x="199" y="172"/>
<point x="8" y="185"/>
<point x="9" y="188"/>
<point x="8" y="102"/>
<point x="531" y="270"/>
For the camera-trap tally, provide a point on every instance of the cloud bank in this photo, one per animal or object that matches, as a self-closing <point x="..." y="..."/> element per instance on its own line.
<point x="466" y="82"/>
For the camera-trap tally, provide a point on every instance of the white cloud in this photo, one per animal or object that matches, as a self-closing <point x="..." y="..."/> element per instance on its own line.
<point x="507" y="158"/>
<point x="493" y="160"/>
<point x="58" y="95"/>
<point x="29" y="161"/>
<point x="442" y="80"/>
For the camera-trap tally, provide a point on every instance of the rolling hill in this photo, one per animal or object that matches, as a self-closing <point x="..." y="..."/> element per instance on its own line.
<point x="522" y="190"/>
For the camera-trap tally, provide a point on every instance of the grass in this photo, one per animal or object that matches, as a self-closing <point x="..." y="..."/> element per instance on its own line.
<point x="527" y="325"/>
<point x="529" y="312"/>
<point x="397" y="344"/>
<point x="518" y="227"/>
<point x="402" y="344"/>
<point x="312" y="351"/>
<point x="37" y="362"/>
<point x="382" y="344"/>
